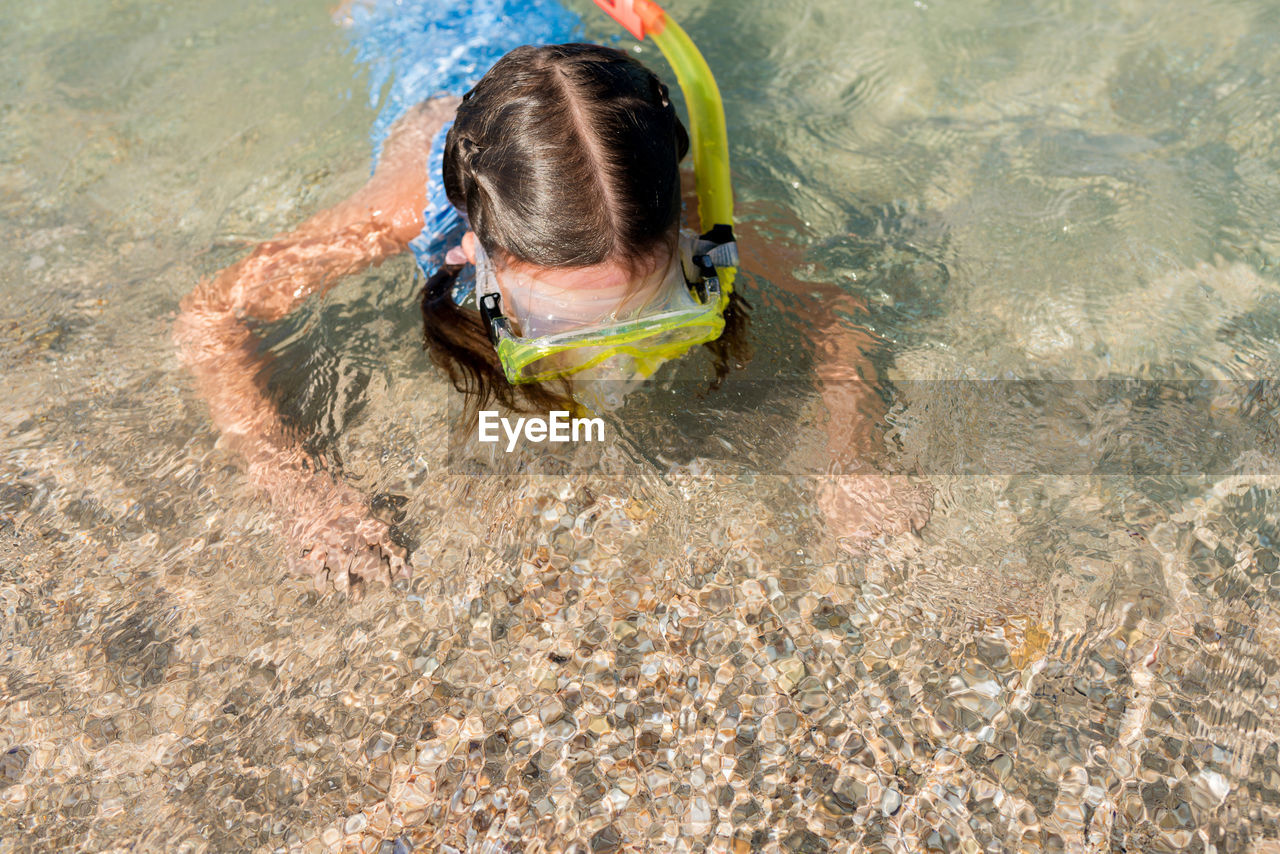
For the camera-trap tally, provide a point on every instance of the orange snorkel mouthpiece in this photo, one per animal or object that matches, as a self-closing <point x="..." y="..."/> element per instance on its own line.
<point x="637" y="16"/>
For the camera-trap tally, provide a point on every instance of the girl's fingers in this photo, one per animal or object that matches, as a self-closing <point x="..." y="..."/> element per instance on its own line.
<point x="349" y="549"/>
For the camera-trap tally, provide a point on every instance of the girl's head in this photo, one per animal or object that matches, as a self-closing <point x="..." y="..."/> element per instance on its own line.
<point x="567" y="156"/>
<point x="565" y="160"/>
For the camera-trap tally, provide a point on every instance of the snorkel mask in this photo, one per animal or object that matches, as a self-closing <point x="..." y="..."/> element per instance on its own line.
<point x="678" y="307"/>
<point x="675" y="308"/>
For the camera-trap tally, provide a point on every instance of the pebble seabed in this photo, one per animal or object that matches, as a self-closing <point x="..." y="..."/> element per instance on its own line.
<point x="559" y="692"/>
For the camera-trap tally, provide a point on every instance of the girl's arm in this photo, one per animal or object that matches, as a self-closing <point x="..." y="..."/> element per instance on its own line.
<point x="857" y="501"/>
<point x="332" y="525"/>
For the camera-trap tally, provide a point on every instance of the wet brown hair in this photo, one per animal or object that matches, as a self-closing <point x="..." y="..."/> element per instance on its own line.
<point x="561" y="156"/>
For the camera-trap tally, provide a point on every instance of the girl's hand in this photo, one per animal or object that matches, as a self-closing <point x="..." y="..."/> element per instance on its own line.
<point x="344" y="546"/>
<point x="863" y="506"/>
<point x="337" y="539"/>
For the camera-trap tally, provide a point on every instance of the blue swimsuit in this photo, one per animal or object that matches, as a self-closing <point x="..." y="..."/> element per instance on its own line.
<point x="442" y="224"/>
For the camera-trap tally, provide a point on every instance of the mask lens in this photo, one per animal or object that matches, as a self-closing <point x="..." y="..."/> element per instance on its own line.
<point x="671" y="322"/>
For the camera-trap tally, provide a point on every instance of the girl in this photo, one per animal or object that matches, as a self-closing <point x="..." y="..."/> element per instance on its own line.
<point x="563" y="163"/>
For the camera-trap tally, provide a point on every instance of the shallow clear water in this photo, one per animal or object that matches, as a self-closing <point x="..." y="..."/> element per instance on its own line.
<point x="1061" y="660"/>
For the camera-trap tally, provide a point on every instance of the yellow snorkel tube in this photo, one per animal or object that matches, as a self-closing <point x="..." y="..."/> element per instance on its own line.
<point x="709" y="140"/>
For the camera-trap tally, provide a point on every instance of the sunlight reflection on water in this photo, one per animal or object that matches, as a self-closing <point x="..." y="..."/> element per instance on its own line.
<point x="671" y="660"/>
